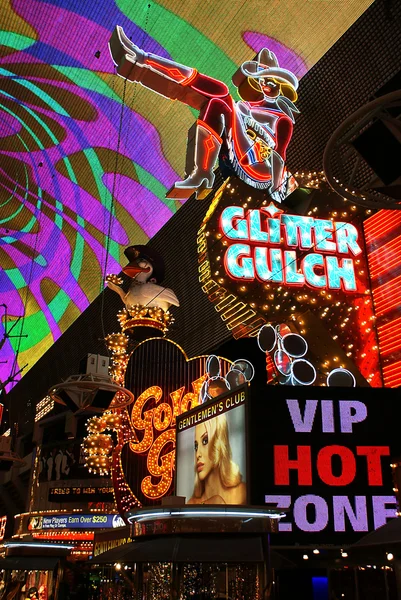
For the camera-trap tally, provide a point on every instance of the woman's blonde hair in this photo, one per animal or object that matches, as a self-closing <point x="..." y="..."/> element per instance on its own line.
<point x="220" y="454"/>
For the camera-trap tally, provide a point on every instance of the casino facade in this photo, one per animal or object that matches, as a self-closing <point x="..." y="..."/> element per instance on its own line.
<point x="222" y="421"/>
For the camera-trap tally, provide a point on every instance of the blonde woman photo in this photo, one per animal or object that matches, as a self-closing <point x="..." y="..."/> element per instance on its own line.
<point x="217" y="477"/>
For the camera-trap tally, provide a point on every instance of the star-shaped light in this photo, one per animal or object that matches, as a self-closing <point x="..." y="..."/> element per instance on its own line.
<point x="272" y="210"/>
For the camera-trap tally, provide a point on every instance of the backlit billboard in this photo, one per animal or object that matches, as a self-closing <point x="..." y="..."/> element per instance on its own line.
<point x="211" y="461"/>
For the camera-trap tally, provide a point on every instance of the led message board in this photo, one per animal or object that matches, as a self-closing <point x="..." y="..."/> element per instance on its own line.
<point x="70" y="104"/>
<point x="211" y="451"/>
<point x="328" y="461"/>
<point x="76" y="521"/>
<point x="79" y="493"/>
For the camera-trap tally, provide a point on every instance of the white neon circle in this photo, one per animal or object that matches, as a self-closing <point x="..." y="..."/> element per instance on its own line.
<point x="234" y="367"/>
<point x="208" y="361"/>
<point x="340" y="370"/>
<point x="275" y="338"/>
<point x="298" y="381"/>
<point x="304" y="341"/>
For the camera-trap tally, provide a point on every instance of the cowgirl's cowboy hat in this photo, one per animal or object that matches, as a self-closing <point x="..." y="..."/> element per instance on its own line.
<point x="266" y="65"/>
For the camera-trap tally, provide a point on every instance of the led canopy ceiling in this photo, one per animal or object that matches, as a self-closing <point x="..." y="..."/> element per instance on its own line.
<point x="85" y="161"/>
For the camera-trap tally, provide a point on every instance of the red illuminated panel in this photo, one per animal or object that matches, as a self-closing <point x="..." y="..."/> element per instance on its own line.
<point x="387" y="296"/>
<point x="383" y="242"/>
<point x="380" y="224"/>
<point x="390" y="336"/>
<point x="386" y="258"/>
<point x="392" y="374"/>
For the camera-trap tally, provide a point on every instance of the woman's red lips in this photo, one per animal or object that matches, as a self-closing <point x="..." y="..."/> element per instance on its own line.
<point x="199" y="466"/>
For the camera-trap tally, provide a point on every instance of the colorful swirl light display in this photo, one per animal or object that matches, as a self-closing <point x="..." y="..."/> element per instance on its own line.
<point x="85" y="160"/>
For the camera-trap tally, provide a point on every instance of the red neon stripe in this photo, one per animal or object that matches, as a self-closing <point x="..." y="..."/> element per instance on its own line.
<point x="390" y="349"/>
<point x="389" y="326"/>
<point x="383" y="309"/>
<point x="392" y="382"/>
<point x="381" y="218"/>
<point x="389" y="341"/>
<point x="386" y="288"/>
<point x="381" y="259"/>
<point x="381" y="227"/>
<point x="172" y="72"/>
<point x="391" y="334"/>
<point x="392" y="296"/>
<point x="392" y="370"/>
<point x="375" y="234"/>
<point x="391" y="246"/>
<point x="386" y="268"/>
<point x="380" y="273"/>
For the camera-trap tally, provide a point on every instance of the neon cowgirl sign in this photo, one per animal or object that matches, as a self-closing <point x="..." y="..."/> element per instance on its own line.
<point x="261" y="245"/>
<point x="254" y="132"/>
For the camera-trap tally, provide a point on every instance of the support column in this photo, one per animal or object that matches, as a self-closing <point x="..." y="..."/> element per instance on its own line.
<point x="397" y="572"/>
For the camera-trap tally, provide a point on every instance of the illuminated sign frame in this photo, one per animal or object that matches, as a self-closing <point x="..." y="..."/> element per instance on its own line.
<point x="344" y="314"/>
<point x="74" y="521"/>
<point x="222" y="406"/>
<point x="79" y="493"/>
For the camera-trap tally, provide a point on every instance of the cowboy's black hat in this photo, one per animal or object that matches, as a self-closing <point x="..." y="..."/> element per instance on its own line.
<point x="149" y="254"/>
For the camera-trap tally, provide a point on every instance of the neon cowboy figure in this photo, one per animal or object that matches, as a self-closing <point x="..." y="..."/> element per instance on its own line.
<point x="255" y="130"/>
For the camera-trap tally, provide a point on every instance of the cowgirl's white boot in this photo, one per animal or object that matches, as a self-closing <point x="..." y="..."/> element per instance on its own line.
<point x="200" y="181"/>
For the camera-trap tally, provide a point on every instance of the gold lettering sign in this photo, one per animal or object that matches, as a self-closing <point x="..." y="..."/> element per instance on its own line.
<point x="155" y="428"/>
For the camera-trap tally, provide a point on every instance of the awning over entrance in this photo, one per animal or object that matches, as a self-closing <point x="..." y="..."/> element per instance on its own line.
<point x="390" y="533"/>
<point x="191" y="548"/>
<point x="29" y="563"/>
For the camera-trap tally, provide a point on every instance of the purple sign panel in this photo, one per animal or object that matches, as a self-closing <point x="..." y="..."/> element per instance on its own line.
<point x="324" y="455"/>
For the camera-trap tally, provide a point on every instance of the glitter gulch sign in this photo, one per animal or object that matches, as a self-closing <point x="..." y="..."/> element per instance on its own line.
<point x="262" y="244"/>
<point x="259" y="262"/>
